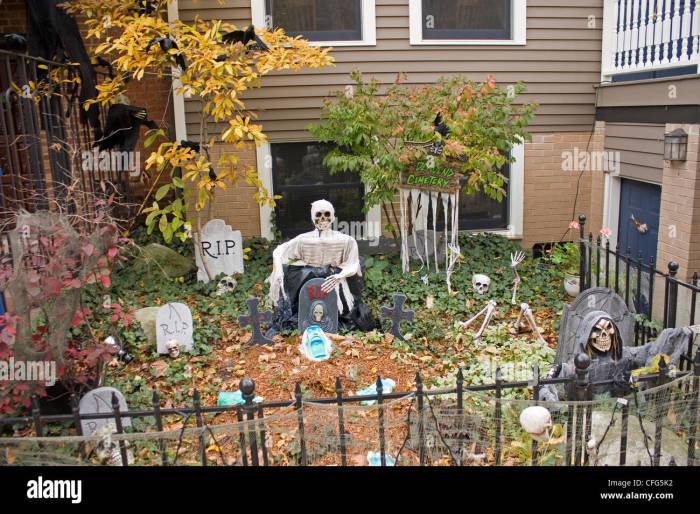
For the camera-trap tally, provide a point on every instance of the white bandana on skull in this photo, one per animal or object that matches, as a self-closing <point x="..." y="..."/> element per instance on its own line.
<point x="322" y="214"/>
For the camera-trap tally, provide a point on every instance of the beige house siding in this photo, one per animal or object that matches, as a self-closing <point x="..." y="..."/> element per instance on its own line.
<point x="641" y="148"/>
<point x="560" y="65"/>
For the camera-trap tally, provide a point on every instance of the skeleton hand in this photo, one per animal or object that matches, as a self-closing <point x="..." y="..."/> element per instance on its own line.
<point x="331" y="283"/>
<point x="516" y="258"/>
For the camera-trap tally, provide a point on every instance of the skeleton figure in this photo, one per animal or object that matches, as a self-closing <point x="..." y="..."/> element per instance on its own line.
<point x="515" y="260"/>
<point x="526" y="313"/>
<point x="481" y="283"/>
<point x="599" y="338"/>
<point x="487" y="312"/>
<point x="326" y="253"/>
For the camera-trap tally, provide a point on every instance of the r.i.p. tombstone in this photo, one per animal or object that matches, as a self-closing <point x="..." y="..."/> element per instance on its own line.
<point x="174" y="321"/>
<point x="317" y="307"/>
<point x="99" y="401"/>
<point x="220" y="250"/>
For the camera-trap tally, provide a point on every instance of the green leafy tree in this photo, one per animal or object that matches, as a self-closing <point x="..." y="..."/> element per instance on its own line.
<point x="380" y="135"/>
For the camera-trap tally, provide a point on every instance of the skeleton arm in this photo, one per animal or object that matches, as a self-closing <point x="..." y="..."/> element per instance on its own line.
<point x="488" y="314"/>
<point x="348" y="268"/>
<point x="280" y="256"/>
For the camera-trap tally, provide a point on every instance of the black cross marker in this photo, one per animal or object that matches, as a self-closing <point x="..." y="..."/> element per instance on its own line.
<point x="254" y="319"/>
<point x="397" y="314"/>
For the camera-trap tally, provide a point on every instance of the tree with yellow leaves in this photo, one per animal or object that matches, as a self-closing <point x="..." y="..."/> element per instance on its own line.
<point x="207" y="63"/>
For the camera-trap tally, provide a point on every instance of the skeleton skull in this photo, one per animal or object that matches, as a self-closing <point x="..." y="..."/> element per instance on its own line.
<point x="318" y="312"/>
<point x="536" y="421"/>
<point x="603" y="335"/>
<point x="322" y="215"/>
<point x="481" y="283"/>
<point x="173" y="347"/>
<point x="226" y="285"/>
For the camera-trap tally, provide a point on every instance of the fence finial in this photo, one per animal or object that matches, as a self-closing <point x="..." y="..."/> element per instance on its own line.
<point x="673" y="268"/>
<point x="247" y="387"/>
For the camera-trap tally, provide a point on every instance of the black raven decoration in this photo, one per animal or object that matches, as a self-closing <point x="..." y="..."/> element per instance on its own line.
<point x="190" y="145"/>
<point x="246" y="37"/>
<point x="212" y="174"/>
<point x="440" y="126"/>
<point x="13" y="42"/>
<point x="123" y="126"/>
<point x="53" y="34"/>
<point x="166" y="44"/>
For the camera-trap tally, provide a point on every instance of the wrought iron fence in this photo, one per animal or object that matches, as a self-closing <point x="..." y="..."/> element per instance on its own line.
<point x="456" y="423"/>
<point x="42" y="141"/>
<point x="658" y="298"/>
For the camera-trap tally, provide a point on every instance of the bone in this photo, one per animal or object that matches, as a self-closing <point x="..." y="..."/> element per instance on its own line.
<point x="526" y="312"/>
<point x="487" y="312"/>
<point x="515" y="260"/>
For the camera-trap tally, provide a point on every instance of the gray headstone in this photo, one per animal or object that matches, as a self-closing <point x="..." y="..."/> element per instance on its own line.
<point x="221" y="248"/>
<point x="174" y="321"/>
<point x="147" y="318"/>
<point x="317" y="307"/>
<point x="396" y="314"/>
<point x="594" y="299"/>
<point x="99" y="401"/>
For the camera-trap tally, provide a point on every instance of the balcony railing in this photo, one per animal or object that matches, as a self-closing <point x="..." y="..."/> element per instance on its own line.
<point x="650" y="35"/>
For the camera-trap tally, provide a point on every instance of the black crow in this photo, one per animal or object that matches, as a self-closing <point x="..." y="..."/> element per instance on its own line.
<point x="440" y="126"/>
<point x="13" y="42"/>
<point x="122" y="127"/>
<point x="166" y="44"/>
<point x="245" y="37"/>
<point x="190" y="145"/>
<point x="212" y="174"/>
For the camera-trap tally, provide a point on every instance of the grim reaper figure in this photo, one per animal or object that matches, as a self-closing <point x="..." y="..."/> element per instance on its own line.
<point x="599" y="337"/>
<point x="321" y="253"/>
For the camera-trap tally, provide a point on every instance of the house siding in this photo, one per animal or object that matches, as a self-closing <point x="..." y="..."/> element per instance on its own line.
<point x="560" y="65"/>
<point x="641" y="147"/>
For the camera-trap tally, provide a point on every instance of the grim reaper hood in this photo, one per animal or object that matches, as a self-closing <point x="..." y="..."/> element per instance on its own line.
<point x="585" y="329"/>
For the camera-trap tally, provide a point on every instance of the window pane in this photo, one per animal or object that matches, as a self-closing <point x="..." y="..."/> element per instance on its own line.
<point x="318" y="20"/>
<point x="466" y="19"/>
<point x="299" y="176"/>
<point x="477" y="212"/>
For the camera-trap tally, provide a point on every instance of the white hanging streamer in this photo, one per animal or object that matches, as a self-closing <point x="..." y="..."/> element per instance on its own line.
<point x="434" y="203"/>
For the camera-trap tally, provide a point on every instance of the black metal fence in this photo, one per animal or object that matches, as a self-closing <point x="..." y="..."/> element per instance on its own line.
<point x="575" y="414"/>
<point x="42" y="141"/>
<point x="658" y="298"/>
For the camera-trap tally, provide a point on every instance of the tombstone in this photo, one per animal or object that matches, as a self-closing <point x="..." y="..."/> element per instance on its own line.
<point x="253" y="319"/>
<point x="221" y="248"/>
<point x="99" y="401"/>
<point x="174" y="321"/>
<point x="317" y="307"/>
<point x="594" y="299"/>
<point x="396" y="314"/>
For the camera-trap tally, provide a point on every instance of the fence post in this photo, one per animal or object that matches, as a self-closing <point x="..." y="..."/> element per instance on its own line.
<point x="581" y="389"/>
<point x="197" y="404"/>
<point x="460" y="401"/>
<point x="380" y="417"/>
<point x="535" y="396"/>
<point x="672" y="297"/>
<point x="693" y="430"/>
<point x="75" y="409"/>
<point x="36" y="415"/>
<point x="341" y="422"/>
<point x="497" y="415"/>
<point x="624" y="427"/>
<point x="247" y="387"/>
<point x="582" y="251"/>
<point x="300" y="417"/>
<point x="120" y="429"/>
<point x="155" y="401"/>
<point x="659" y="414"/>
<point x="421" y="427"/>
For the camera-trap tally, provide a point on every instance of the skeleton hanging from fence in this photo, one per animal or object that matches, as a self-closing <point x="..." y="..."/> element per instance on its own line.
<point x="419" y="198"/>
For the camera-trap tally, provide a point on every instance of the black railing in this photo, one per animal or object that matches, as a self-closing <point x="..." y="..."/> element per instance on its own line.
<point x="576" y="414"/>
<point x="43" y="142"/>
<point x="658" y="298"/>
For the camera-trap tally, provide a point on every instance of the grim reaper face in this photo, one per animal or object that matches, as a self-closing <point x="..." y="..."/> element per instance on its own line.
<point x="603" y="336"/>
<point x="322" y="215"/>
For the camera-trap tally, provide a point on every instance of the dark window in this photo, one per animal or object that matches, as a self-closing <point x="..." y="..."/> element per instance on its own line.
<point x="300" y="178"/>
<point x="466" y="19"/>
<point x="318" y="20"/>
<point x="478" y="211"/>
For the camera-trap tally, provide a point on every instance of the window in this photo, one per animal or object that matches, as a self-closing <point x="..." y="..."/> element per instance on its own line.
<point x="324" y="22"/>
<point x="299" y="176"/>
<point x="458" y="22"/>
